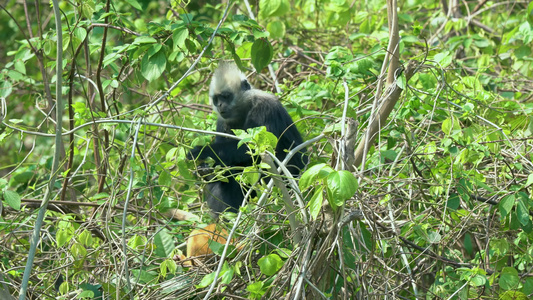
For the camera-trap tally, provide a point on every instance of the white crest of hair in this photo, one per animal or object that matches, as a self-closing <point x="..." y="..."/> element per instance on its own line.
<point x="227" y="77"/>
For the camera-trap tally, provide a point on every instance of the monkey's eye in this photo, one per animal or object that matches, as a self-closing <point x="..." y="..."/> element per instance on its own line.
<point x="225" y="96"/>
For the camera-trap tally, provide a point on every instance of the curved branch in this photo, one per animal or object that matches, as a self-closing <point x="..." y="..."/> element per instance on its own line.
<point x="57" y="154"/>
<point x="392" y="92"/>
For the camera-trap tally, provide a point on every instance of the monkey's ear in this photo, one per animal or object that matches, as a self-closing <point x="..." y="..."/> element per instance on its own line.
<point x="245" y="85"/>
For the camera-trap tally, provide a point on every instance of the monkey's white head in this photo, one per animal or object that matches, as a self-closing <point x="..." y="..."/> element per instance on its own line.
<point x="227" y="90"/>
<point x="227" y="77"/>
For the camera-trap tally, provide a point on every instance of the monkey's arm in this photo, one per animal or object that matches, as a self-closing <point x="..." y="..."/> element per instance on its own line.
<point x="272" y="115"/>
<point x="223" y="153"/>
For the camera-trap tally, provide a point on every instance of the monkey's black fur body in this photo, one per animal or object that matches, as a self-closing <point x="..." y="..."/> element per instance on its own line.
<point x="240" y="106"/>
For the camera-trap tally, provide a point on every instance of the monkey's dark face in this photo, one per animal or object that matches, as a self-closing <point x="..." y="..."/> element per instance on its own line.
<point x="224" y="104"/>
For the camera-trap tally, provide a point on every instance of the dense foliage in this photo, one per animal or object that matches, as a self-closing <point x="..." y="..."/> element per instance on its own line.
<point x="440" y="208"/>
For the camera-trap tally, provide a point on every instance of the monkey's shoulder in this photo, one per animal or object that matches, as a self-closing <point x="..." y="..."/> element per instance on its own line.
<point x="259" y="97"/>
<point x="264" y="103"/>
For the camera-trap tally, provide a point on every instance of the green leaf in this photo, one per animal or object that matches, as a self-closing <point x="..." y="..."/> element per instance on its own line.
<point x="114" y="83"/>
<point x="87" y="8"/>
<point x="80" y="33"/>
<point x="315" y="204"/>
<point x="244" y="51"/>
<point x="143" y="276"/>
<point x="100" y="197"/>
<point x="468" y="244"/>
<point x="464" y="189"/>
<point x="12" y="199"/>
<point x="284" y="252"/>
<point x="266" y="140"/>
<point x="478" y="280"/>
<point x="513" y="295"/>
<point x="85" y="295"/>
<point x="313" y="174"/>
<point x="529" y="180"/>
<point x="178" y="37"/>
<point x="339" y="54"/>
<point x="152" y="67"/>
<point x="15" y="75"/>
<point x="250" y="175"/>
<point x="268" y="7"/>
<point x="262" y="53"/>
<point x="90" y="291"/>
<point x="111" y="57"/>
<point x="226" y="275"/>
<point x="506" y="205"/>
<point x="164" y="243"/>
<point x="367" y="239"/>
<point x="153" y="49"/>
<point x="5" y="88"/>
<point x="206" y="281"/>
<point x="513" y="221"/>
<point x="526" y="31"/>
<point x="62" y="237"/>
<point x="137" y="242"/>
<point x="3" y="182"/>
<point x="401" y="82"/>
<point x="528" y="227"/>
<point x="165" y="179"/>
<point x="190" y="45"/>
<point x="78" y="251"/>
<point x="140" y="25"/>
<point x="270" y="264"/>
<point x="389" y="155"/>
<point x="144" y="40"/>
<point x="434" y="237"/>
<point x="450" y="125"/>
<point x="20" y="66"/>
<point x="530" y="12"/>
<point x="259" y="33"/>
<point x="85" y="238"/>
<point x="453" y="202"/>
<point x="365" y="27"/>
<point x="216" y="247"/>
<point x="341" y="185"/>
<point x="528" y="284"/>
<point x="522" y="212"/>
<point x="444" y="58"/>
<point x="256" y="289"/>
<point x="273" y="8"/>
<point x="499" y="246"/>
<point x="421" y="232"/>
<point x="276" y="29"/>
<point x="236" y="57"/>
<point x="472" y="82"/>
<point x="509" y="278"/>
<point x="135" y="4"/>
<point x="163" y="268"/>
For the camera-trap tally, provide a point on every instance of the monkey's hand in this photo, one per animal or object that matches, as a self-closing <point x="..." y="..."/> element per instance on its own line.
<point x="205" y="171"/>
<point x="201" y="154"/>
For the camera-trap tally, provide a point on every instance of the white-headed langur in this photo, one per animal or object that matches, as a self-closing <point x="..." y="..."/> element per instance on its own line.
<point x="241" y="106"/>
